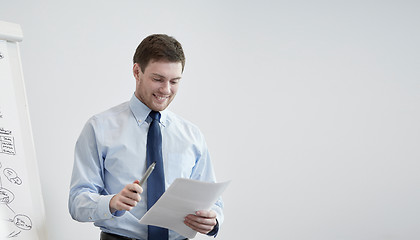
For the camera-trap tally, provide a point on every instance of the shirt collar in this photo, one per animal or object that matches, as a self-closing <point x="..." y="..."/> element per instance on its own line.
<point x="141" y="112"/>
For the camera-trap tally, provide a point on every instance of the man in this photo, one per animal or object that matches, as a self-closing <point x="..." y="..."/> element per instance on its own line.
<point x="112" y="152"/>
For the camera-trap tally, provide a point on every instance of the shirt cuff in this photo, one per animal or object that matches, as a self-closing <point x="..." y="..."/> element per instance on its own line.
<point x="215" y="230"/>
<point x="103" y="208"/>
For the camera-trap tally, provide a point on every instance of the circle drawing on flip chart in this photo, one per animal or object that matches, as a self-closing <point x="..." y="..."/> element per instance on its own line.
<point x="23" y="222"/>
<point x="6" y="196"/>
<point x="12" y="176"/>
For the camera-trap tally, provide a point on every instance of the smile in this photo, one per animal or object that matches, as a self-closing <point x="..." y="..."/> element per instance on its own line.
<point x="160" y="98"/>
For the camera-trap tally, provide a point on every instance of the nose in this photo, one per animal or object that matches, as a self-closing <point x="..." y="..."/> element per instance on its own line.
<point x="165" y="87"/>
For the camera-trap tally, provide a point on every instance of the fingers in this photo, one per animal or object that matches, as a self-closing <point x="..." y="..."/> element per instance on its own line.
<point x="202" y="222"/>
<point x="127" y="198"/>
<point x="135" y="187"/>
<point x="206" y="214"/>
<point x="119" y="202"/>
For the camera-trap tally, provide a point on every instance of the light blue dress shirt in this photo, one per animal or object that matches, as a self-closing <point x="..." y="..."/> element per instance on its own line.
<point x="111" y="153"/>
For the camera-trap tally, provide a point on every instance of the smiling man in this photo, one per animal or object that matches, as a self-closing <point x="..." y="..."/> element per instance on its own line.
<point x="116" y="147"/>
<point x="158" y="85"/>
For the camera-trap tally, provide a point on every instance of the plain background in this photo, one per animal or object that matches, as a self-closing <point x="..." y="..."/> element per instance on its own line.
<point x="312" y="108"/>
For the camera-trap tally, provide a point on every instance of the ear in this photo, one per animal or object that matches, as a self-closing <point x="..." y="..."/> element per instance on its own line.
<point x="136" y="71"/>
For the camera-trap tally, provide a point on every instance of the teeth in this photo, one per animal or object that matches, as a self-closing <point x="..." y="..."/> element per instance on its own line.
<point x="161" y="98"/>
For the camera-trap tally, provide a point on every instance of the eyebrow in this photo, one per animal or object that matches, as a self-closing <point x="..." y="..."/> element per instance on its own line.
<point x="158" y="75"/>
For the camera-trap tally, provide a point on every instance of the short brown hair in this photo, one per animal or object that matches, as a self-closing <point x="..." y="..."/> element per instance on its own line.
<point x="158" y="47"/>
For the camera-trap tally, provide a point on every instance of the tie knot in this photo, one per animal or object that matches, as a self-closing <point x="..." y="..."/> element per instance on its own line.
<point x="155" y="115"/>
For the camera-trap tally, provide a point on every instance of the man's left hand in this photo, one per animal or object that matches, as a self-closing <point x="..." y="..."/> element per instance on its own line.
<point x="203" y="221"/>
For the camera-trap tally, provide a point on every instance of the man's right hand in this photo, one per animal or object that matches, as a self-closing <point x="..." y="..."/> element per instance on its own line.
<point x="127" y="198"/>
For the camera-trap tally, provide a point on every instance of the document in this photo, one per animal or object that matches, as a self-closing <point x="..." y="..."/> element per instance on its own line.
<point x="183" y="197"/>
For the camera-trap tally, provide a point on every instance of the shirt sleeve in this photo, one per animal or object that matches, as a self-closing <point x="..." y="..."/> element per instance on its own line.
<point x="88" y="200"/>
<point x="203" y="171"/>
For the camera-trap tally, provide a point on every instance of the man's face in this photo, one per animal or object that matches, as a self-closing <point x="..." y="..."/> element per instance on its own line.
<point x="158" y="85"/>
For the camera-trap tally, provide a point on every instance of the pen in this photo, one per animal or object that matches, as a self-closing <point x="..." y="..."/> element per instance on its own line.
<point x="147" y="174"/>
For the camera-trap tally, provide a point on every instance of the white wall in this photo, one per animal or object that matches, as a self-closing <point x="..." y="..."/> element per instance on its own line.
<point x="312" y="108"/>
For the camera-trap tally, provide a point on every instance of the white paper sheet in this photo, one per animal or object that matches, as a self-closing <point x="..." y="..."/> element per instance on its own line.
<point x="183" y="197"/>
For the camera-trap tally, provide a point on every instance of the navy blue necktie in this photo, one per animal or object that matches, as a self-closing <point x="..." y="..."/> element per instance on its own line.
<point x="156" y="181"/>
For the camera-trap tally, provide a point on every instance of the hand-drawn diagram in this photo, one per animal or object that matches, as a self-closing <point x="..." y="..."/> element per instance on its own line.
<point x="7" y="143"/>
<point x="19" y="222"/>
